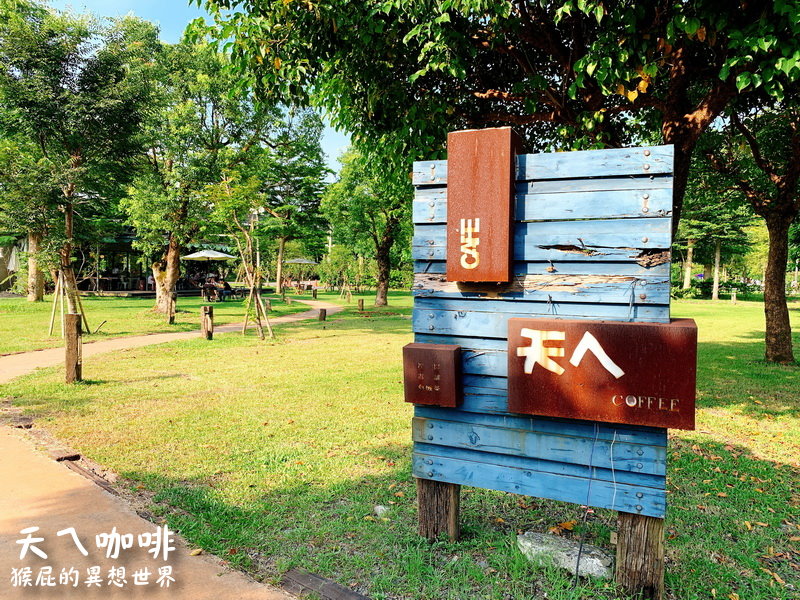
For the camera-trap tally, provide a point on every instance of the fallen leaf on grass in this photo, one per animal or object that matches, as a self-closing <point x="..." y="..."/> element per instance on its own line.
<point x="733" y="596"/>
<point x="400" y="494"/>
<point x="196" y="552"/>
<point x="795" y="538"/>
<point x="749" y="527"/>
<point x="722" y="494"/>
<point x="568" y="525"/>
<point x="232" y="551"/>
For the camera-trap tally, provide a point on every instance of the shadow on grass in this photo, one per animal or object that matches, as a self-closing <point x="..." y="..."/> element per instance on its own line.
<point x="729" y="527"/>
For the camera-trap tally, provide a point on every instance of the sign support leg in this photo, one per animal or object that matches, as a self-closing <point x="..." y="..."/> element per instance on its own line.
<point x="640" y="555"/>
<point x="439" y="508"/>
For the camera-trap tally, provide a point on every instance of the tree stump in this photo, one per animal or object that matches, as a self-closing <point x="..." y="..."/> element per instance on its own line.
<point x="439" y="508"/>
<point x="640" y="555"/>
<point x="314" y="293"/>
<point x="207" y="321"/>
<point x="323" y="314"/>
<point x="73" y="357"/>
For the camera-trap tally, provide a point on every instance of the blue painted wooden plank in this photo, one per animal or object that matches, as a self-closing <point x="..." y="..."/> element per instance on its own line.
<point x="607" y="432"/>
<point x="569" y="186"/>
<point x="552" y="287"/>
<point x="486" y="384"/>
<point x="532" y="444"/>
<point x="629" y="269"/>
<point x="587" y="237"/>
<point x="425" y="249"/>
<point x="474" y="323"/>
<point x="657" y="482"/>
<point x="654" y="160"/>
<point x="616" y="204"/>
<point x="598" y="493"/>
<point x="596" y="163"/>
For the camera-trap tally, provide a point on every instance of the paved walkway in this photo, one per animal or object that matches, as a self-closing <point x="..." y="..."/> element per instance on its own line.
<point x="35" y="491"/>
<point x="16" y="365"/>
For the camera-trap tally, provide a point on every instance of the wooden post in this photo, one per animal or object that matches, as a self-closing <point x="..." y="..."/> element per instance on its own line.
<point x="73" y="357"/>
<point x="173" y="300"/>
<point x="733" y="296"/>
<point x="323" y="314"/>
<point x="360" y="305"/>
<point x="640" y="555"/>
<point x="207" y="321"/>
<point x="314" y="293"/>
<point x="439" y="507"/>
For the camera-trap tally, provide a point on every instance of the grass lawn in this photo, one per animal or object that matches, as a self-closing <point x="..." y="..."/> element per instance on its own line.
<point x="282" y="465"/>
<point x="24" y="325"/>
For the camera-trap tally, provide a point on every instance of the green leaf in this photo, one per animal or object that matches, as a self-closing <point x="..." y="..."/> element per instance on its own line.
<point x="742" y="80"/>
<point x="590" y="68"/>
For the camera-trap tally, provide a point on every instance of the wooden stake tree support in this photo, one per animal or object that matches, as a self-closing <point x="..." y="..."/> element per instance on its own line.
<point x="545" y="362"/>
<point x="360" y="305"/>
<point x="60" y="300"/>
<point x="73" y="356"/>
<point x="323" y="314"/>
<point x="207" y="322"/>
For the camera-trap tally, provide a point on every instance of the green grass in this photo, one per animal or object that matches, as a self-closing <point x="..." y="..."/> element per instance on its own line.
<point x="25" y="325"/>
<point x="277" y="452"/>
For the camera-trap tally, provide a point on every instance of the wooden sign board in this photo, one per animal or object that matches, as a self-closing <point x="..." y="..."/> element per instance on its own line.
<point x="591" y="240"/>
<point x="432" y="374"/>
<point x="482" y="167"/>
<point x="636" y="373"/>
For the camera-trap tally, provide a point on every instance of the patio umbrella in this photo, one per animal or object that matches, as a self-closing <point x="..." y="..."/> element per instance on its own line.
<point x="207" y="255"/>
<point x="300" y="261"/>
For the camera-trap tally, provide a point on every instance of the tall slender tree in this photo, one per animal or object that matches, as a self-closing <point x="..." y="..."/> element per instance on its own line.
<point x="204" y="124"/>
<point x="369" y="208"/>
<point x="79" y="88"/>
<point x="761" y="160"/>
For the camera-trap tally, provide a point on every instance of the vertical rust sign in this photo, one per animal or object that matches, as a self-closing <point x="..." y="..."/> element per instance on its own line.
<point x="481" y="166"/>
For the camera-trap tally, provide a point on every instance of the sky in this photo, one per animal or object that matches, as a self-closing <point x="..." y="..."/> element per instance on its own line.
<point x="173" y="16"/>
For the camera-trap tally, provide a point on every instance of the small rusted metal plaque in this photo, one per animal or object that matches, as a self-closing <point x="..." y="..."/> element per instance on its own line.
<point x="481" y="170"/>
<point x="432" y="374"/>
<point x="635" y="373"/>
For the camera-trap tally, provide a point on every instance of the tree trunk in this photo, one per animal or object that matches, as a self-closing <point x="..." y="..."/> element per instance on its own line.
<point x="717" y="258"/>
<point x="166" y="273"/>
<point x="708" y="272"/>
<point x="687" y="265"/>
<point x="778" y="337"/>
<point x="68" y="281"/>
<point x="35" y="275"/>
<point x="384" y="271"/>
<point x="383" y="254"/>
<point x="279" y="269"/>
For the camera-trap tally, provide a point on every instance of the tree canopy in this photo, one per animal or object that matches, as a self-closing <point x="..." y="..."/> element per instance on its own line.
<point x="569" y="73"/>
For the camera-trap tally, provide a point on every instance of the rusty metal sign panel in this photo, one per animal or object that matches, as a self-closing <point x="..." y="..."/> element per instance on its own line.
<point x="432" y="374"/>
<point x="616" y="372"/>
<point x="481" y="166"/>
